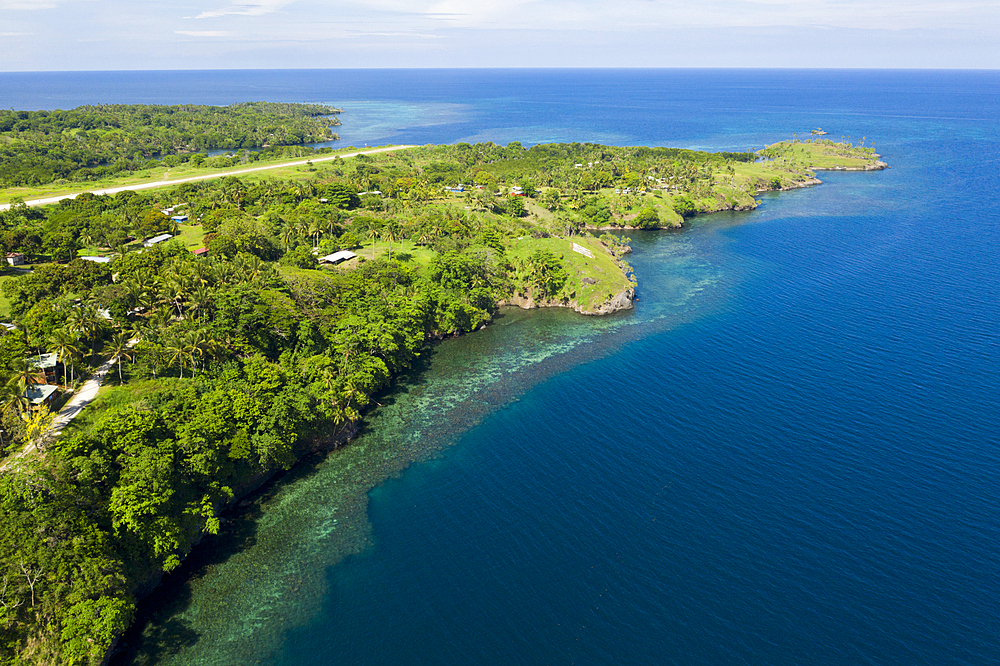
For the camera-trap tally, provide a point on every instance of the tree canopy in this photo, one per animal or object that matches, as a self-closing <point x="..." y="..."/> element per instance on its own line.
<point x="38" y="147"/>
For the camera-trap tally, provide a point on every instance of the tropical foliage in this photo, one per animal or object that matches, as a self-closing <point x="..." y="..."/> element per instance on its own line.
<point x="231" y="365"/>
<point x="38" y="147"/>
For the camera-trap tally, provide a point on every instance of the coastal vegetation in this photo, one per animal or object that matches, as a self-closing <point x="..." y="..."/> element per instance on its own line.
<point x="91" y="142"/>
<point x="235" y="361"/>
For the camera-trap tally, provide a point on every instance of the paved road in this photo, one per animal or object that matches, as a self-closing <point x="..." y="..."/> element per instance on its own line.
<point x="210" y="176"/>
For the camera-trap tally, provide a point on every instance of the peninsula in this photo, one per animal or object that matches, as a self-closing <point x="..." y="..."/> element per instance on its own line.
<point x="250" y="318"/>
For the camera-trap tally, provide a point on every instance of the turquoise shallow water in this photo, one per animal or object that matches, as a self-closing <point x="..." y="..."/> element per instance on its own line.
<point x="241" y="607"/>
<point x="786" y="454"/>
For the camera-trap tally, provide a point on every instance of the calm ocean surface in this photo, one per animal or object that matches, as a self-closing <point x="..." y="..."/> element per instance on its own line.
<point x="788" y="453"/>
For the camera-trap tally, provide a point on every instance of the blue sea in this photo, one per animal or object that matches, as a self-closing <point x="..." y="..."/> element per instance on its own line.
<point x="787" y="453"/>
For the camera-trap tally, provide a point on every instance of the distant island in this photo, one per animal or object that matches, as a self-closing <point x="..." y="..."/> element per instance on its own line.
<point x="245" y="321"/>
<point x="91" y="142"/>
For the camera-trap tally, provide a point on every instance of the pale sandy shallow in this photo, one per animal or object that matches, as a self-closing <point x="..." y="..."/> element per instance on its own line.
<point x="169" y="183"/>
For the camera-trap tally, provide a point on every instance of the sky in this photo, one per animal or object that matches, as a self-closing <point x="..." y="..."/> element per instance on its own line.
<point x="65" y="35"/>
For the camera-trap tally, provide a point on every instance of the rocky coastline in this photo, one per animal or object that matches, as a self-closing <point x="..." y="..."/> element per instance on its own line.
<point x="618" y="302"/>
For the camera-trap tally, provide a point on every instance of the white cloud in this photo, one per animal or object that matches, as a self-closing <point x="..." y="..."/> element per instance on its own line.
<point x="416" y="35"/>
<point x="26" y="5"/>
<point x="204" y="33"/>
<point x="248" y="33"/>
<point x="624" y="15"/>
<point x="247" y="9"/>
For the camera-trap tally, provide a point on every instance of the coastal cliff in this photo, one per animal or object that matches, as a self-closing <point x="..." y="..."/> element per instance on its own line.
<point x="616" y="303"/>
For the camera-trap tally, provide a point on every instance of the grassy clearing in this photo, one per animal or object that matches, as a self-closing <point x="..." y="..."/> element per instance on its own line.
<point x="296" y="272"/>
<point x="110" y="396"/>
<point x="9" y="273"/>
<point x="406" y="251"/>
<point x="602" y="268"/>
<point x="192" y="235"/>
<point x="4" y="301"/>
<point x="823" y="154"/>
<point x="415" y="255"/>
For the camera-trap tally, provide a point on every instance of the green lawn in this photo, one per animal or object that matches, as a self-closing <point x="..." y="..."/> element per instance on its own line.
<point x="602" y="268"/>
<point x="192" y="235"/>
<point x="110" y="396"/>
<point x="406" y="251"/>
<point x="4" y="301"/>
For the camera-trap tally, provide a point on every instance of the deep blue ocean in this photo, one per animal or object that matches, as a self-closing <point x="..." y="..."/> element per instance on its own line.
<point x="788" y="453"/>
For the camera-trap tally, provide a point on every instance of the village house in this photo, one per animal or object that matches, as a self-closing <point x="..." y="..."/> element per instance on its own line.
<point x="40" y="394"/>
<point x="45" y="364"/>
<point x="337" y="257"/>
<point x="156" y="239"/>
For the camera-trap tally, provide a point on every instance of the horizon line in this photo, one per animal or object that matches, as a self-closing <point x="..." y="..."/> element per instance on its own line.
<point x="523" y="68"/>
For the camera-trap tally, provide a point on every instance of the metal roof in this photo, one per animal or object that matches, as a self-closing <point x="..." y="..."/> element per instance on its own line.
<point x="43" y="361"/>
<point x="337" y="257"/>
<point x="156" y="239"/>
<point x="39" y="393"/>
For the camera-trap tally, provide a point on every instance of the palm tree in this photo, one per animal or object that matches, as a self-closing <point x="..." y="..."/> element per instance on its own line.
<point x="287" y="235"/>
<point x="201" y="299"/>
<point x="204" y="272"/>
<point x="315" y="229"/>
<point x="176" y="351"/>
<point x="31" y="338"/>
<point x="329" y="226"/>
<point x="86" y="321"/>
<point x="235" y="192"/>
<point x="92" y="323"/>
<point x="196" y="345"/>
<point x="12" y="398"/>
<point x="24" y="374"/>
<point x="388" y="236"/>
<point x="173" y="290"/>
<point x="302" y="228"/>
<point x="121" y="346"/>
<point x="75" y="320"/>
<point x="250" y="267"/>
<point x="223" y="272"/>
<point x="142" y="290"/>
<point x="160" y="318"/>
<point x="64" y="344"/>
<point x="135" y="293"/>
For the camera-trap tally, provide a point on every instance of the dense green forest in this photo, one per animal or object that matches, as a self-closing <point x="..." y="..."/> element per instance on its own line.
<point x="232" y="363"/>
<point x="90" y="142"/>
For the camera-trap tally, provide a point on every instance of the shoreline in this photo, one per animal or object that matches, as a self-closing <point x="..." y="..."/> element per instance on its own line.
<point x="315" y="443"/>
<point x="623" y="300"/>
<point x="878" y="166"/>
<point x="606" y="300"/>
<point x="148" y="583"/>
